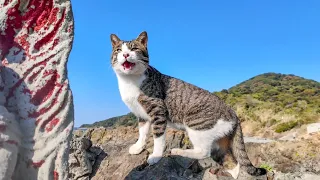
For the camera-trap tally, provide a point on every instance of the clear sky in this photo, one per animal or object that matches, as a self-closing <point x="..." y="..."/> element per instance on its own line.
<point x="212" y="44"/>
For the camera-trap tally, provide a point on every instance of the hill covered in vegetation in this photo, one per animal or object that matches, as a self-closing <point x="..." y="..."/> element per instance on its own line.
<point x="124" y="120"/>
<point x="275" y="100"/>
<point x="271" y="100"/>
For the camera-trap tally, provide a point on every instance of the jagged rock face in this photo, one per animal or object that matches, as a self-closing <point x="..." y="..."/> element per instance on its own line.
<point x="83" y="158"/>
<point x="119" y="164"/>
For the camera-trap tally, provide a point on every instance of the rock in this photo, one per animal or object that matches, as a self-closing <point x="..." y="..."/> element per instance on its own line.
<point x="84" y="159"/>
<point x="313" y="128"/>
<point x="119" y="164"/>
<point x="283" y="158"/>
<point x="296" y="176"/>
<point x="289" y="137"/>
<point x="308" y="176"/>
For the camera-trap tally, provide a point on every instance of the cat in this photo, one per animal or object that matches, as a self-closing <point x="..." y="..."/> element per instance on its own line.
<point x="159" y="100"/>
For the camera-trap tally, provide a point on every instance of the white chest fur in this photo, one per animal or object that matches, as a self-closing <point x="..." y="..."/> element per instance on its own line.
<point x="129" y="87"/>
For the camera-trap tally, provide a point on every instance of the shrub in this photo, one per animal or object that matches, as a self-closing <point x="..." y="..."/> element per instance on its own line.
<point x="282" y="127"/>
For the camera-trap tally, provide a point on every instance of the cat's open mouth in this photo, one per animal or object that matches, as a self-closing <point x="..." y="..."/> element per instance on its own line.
<point x="128" y="65"/>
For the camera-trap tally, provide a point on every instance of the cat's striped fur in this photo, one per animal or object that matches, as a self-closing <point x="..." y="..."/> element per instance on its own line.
<point x="159" y="101"/>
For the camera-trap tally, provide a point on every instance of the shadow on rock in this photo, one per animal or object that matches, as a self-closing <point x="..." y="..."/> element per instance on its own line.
<point x="170" y="167"/>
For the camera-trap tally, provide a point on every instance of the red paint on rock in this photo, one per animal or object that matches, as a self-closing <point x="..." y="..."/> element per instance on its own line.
<point x="55" y="175"/>
<point x="35" y="9"/>
<point x="54" y="44"/>
<point x="6" y="2"/>
<point x="26" y="90"/>
<point x="53" y="15"/>
<point x="36" y="114"/>
<point x="48" y="16"/>
<point x="37" y="164"/>
<point x="4" y="62"/>
<point x="23" y="42"/>
<point x="3" y="127"/>
<point x="12" y="142"/>
<point x="13" y="23"/>
<point x="46" y="91"/>
<point x="50" y="36"/>
<point x="55" y="113"/>
<point x="52" y="124"/>
<point x="33" y="76"/>
<point x="18" y="83"/>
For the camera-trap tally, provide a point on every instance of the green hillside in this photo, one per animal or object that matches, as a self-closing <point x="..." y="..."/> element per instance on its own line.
<point x="278" y="100"/>
<point x="273" y="100"/>
<point x="124" y="120"/>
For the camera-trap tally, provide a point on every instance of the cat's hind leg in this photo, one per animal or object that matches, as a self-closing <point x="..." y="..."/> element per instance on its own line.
<point x="201" y="146"/>
<point x="202" y="140"/>
<point x="144" y="127"/>
<point x="230" y="163"/>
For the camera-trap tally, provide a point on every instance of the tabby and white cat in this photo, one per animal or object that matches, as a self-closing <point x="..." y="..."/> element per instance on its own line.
<point x="159" y="101"/>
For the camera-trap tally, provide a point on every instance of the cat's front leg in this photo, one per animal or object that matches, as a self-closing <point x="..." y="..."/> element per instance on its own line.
<point x="144" y="127"/>
<point x="158" y="148"/>
<point x="157" y="111"/>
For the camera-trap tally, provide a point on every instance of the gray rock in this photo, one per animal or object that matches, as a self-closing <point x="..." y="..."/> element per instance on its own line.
<point x="83" y="158"/>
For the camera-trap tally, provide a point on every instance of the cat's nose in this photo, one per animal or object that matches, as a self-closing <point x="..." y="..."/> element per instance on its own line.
<point x="125" y="55"/>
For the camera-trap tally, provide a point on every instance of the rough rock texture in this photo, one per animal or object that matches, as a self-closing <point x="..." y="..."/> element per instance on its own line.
<point x="35" y="41"/>
<point x="121" y="165"/>
<point x="280" y="157"/>
<point x="84" y="159"/>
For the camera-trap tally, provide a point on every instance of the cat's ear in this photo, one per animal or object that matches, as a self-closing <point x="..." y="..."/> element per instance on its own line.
<point x="143" y="38"/>
<point x="114" y="40"/>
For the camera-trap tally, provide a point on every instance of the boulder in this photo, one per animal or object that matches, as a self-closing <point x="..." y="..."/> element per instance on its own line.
<point x="84" y="159"/>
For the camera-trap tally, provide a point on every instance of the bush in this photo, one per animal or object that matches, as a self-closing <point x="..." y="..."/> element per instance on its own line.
<point x="282" y="127"/>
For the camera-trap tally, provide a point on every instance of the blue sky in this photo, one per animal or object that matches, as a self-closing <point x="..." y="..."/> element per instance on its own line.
<point x="212" y="44"/>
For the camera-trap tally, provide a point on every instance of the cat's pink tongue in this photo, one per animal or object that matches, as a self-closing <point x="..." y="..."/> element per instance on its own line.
<point x="128" y="65"/>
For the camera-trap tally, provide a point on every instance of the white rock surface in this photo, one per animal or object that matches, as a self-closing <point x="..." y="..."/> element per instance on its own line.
<point x="313" y="128"/>
<point x="256" y="140"/>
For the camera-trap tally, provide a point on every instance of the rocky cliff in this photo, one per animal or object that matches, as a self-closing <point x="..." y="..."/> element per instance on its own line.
<point x="298" y="158"/>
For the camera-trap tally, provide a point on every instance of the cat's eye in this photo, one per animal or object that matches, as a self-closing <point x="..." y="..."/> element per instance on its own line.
<point x="119" y="50"/>
<point x="134" y="49"/>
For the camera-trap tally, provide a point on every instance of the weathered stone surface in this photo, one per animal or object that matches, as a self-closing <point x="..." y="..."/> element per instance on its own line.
<point x="84" y="159"/>
<point x="279" y="155"/>
<point x="35" y="41"/>
<point x="121" y="165"/>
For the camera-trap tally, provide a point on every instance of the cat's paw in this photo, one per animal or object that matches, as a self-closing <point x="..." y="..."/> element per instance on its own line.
<point x="177" y="151"/>
<point x="136" y="149"/>
<point x="153" y="159"/>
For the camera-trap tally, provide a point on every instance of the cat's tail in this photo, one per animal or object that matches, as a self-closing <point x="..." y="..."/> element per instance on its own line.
<point x="239" y="152"/>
